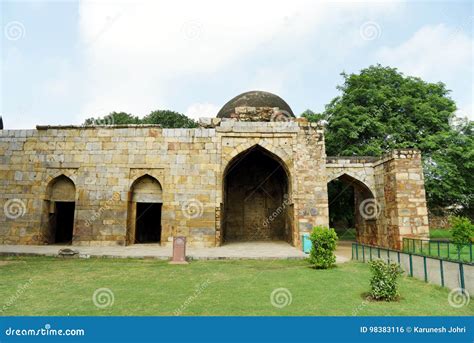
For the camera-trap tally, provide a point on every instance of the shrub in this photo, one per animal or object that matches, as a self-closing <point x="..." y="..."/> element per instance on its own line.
<point x="461" y="229"/>
<point x="383" y="283"/>
<point x="323" y="245"/>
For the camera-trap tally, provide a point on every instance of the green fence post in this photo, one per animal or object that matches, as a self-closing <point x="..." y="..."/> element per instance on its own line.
<point x="370" y="252"/>
<point x="424" y="266"/>
<point x="459" y="252"/>
<point x="421" y="247"/>
<point x="378" y="252"/>
<point x="461" y="274"/>
<point x="398" y="257"/>
<point x="429" y="248"/>
<point x="448" y="249"/>
<point x="411" y="265"/>
<point x="388" y="256"/>
<point x="357" y="252"/>
<point x="470" y="252"/>
<point x="441" y="272"/>
<point x="438" y="248"/>
<point x="363" y="253"/>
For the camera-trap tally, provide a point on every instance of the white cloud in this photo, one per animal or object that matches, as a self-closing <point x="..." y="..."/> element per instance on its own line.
<point x="436" y="53"/>
<point x="137" y="53"/>
<point x="200" y="110"/>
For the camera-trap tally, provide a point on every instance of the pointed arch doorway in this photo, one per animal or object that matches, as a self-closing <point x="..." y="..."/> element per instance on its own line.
<point x="256" y="195"/>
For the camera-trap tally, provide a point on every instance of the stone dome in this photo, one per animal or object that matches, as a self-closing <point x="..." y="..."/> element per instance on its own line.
<point x="254" y="99"/>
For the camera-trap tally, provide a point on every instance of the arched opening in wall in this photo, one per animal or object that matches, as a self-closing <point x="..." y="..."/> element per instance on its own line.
<point x="146" y="201"/>
<point x="353" y="210"/>
<point x="60" y="205"/>
<point x="256" y="195"/>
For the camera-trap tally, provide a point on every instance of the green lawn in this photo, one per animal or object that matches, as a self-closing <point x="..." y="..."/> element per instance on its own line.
<point x="149" y="287"/>
<point x="443" y="249"/>
<point x="440" y="233"/>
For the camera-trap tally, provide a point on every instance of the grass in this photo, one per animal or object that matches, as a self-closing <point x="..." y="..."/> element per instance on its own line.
<point x="150" y="287"/>
<point x="444" y="249"/>
<point x="346" y="234"/>
<point x="440" y="234"/>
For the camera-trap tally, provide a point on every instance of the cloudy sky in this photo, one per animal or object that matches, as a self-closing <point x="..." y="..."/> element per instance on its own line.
<point x="64" y="61"/>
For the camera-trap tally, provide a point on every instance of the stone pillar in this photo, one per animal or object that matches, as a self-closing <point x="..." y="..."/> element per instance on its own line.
<point x="310" y="188"/>
<point x="405" y="199"/>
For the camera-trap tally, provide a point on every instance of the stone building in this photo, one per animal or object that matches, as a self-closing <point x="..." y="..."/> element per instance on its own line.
<point x="255" y="172"/>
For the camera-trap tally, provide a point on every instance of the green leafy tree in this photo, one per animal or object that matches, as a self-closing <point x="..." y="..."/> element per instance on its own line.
<point x="114" y="118"/>
<point x="313" y="116"/>
<point x="169" y="119"/>
<point x="381" y="109"/>
<point x="462" y="230"/>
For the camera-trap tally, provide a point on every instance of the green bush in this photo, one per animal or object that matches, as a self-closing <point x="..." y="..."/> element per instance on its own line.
<point x="323" y="245"/>
<point x="461" y="229"/>
<point x="383" y="283"/>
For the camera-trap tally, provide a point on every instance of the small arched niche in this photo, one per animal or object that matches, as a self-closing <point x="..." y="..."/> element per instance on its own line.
<point x="145" y="205"/>
<point x="60" y="206"/>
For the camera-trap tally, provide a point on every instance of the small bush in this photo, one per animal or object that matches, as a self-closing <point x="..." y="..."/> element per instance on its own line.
<point x="461" y="229"/>
<point x="383" y="283"/>
<point x="324" y="243"/>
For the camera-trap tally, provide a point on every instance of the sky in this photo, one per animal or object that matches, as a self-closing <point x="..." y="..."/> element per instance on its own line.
<point x="64" y="61"/>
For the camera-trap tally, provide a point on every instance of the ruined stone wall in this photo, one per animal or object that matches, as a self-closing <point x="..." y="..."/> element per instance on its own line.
<point x="103" y="163"/>
<point x="189" y="164"/>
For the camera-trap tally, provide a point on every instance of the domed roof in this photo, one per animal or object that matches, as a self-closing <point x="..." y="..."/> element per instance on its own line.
<point x="254" y="99"/>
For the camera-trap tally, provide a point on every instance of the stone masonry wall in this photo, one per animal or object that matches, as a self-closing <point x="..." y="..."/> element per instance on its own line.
<point x="104" y="162"/>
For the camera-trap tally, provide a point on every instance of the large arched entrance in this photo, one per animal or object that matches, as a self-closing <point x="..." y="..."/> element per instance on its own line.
<point x="60" y="204"/>
<point x="256" y="198"/>
<point x="353" y="210"/>
<point x="144" y="210"/>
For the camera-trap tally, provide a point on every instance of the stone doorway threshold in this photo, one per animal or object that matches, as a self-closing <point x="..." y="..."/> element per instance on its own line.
<point x="231" y="251"/>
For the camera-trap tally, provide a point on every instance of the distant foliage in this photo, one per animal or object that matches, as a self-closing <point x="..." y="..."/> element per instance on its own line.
<point x="462" y="230"/>
<point x="167" y="119"/>
<point x="384" y="280"/>
<point x="324" y="243"/>
<point x="380" y="109"/>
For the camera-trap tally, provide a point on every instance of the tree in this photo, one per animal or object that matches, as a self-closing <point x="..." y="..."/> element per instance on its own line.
<point x="313" y="116"/>
<point x="381" y="109"/>
<point x="169" y="119"/>
<point x="114" y="118"/>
